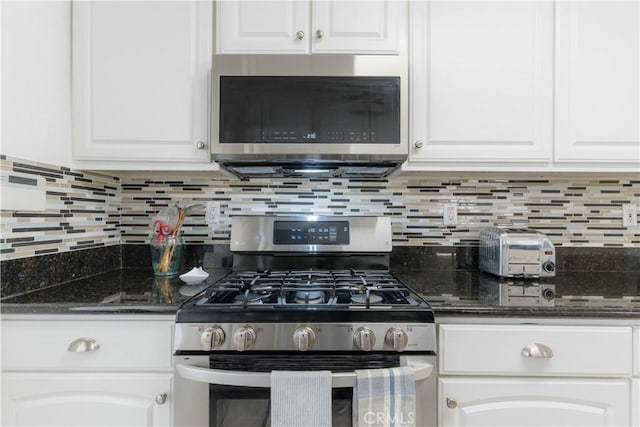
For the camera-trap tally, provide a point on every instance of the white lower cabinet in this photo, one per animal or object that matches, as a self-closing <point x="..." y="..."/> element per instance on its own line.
<point x="533" y="402"/>
<point x="86" y="399"/>
<point x="535" y="375"/>
<point x="635" y="383"/>
<point x="85" y="371"/>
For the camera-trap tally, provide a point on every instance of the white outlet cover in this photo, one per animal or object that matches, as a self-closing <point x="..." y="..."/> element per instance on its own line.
<point x="213" y="213"/>
<point x="629" y="215"/>
<point x="450" y="214"/>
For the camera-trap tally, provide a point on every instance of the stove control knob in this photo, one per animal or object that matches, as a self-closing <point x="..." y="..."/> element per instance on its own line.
<point x="244" y="338"/>
<point x="304" y="338"/>
<point x="549" y="267"/>
<point x="212" y="338"/>
<point x="396" y="338"/>
<point x="364" y="339"/>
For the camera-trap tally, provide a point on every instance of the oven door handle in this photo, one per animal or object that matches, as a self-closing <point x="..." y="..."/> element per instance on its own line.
<point x="263" y="379"/>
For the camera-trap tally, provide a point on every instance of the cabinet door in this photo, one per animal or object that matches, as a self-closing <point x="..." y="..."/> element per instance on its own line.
<point x="597" y="84"/>
<point x="140" y="80"/>
<point x="378" y="28"/>
<point x="263" y="27"/>
<point x="635" y="397"/>
<point x="481" y="78"/>
<point x="533" y="402"/>
<point x="66" y="399"/>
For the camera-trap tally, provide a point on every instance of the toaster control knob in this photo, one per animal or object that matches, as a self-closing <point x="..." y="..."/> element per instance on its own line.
<point x="396" y="338"/>
<point x="303" y="338"/>
<point x="244" y="338"/>
<point x="212" y="338"/>
<point x="548" y="294"/>
<point x="364" y="339"/>
<point x="549" y="267"/>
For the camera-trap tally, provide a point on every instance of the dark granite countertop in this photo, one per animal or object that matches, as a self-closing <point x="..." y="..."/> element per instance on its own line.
<point x="451" y="292"/>
<point x="127" y="290"/>
<point x="577" y="294"/>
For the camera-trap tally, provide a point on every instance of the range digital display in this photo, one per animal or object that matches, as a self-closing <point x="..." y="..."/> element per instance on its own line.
<point x="311" y="233"/>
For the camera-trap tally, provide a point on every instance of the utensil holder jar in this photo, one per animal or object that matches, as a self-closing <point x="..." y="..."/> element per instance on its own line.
<point x="166" y="255"/>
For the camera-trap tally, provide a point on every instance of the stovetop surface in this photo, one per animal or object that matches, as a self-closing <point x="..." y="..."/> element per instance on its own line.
<point x="307" y="295"/>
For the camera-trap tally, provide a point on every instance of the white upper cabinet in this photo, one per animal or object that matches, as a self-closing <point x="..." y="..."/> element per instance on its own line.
<point x="262" y="26"/>
<point x="358" y="26"/>
<point x="524" y="86"/>
<point x="305" y="27"/>
<point x="481" y="81"/>
<point x="140" y="84"/>
<point x="597" y="81"/>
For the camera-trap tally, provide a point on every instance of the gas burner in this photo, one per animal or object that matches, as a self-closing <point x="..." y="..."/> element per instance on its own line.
<point x="248" y="298"/>
<point x="309" y="297"/>
<point x="362" y="298"/>
<point x="264" y="288"/>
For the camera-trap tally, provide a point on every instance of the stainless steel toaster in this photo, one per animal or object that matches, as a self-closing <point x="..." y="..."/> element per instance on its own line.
<point x="516" y="252"/>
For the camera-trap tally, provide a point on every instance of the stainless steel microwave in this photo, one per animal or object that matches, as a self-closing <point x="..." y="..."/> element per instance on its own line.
<point x="322" y="115"/>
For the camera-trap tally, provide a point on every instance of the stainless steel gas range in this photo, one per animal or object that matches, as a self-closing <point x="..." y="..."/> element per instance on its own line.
<point x="306" y="293"/>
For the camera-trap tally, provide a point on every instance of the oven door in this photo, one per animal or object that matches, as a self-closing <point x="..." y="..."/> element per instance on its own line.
<point x="232" y="390"/>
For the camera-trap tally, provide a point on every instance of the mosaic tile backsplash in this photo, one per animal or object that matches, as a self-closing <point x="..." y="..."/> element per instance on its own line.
<point x="88" y="210"/>
<point x="82" y="212"/>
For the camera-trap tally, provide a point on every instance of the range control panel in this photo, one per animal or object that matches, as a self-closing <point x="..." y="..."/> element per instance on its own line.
<point x="315" y="233"/>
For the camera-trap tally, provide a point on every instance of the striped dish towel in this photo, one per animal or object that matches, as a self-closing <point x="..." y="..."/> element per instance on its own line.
<point x="300" y="398"/>
<point x="384" y="398"/>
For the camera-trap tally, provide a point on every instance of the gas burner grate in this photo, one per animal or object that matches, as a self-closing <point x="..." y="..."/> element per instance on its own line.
<point x="338" y="288"/>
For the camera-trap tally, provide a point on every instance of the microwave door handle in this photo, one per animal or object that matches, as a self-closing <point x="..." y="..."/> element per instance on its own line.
<point x="263" y="379"/>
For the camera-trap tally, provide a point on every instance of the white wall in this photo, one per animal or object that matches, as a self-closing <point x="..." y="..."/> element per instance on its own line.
<point x="36" y="81"/>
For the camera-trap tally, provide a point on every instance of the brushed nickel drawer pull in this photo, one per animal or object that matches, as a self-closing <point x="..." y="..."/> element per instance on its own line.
<point x="83" y="345"/>
<point x="537" y="351"/>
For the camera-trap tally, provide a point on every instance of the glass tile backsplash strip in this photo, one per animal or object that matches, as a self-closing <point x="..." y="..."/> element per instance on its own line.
<point x="88" y="210"/>
<point x="82" y="212"/>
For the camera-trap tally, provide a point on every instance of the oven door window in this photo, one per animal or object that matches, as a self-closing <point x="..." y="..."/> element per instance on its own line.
<point x="248" y="407"/>
<point x="251" y="406"/>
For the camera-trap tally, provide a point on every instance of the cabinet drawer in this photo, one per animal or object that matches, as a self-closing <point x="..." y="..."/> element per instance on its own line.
<point x="499" y="350"/>
<point x="139" y="345"/>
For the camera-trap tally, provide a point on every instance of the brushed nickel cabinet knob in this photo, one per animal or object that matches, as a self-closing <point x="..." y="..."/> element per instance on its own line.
<point x="300" y="34"/>
<point x="418" y="144"/>
<point x="451" y="403"/>
<point x="319" y="34"/>
<point x="161" y="398"/>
